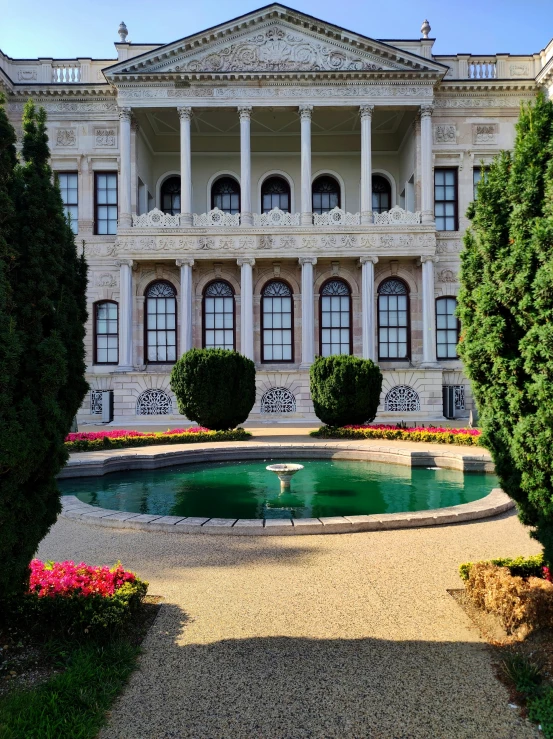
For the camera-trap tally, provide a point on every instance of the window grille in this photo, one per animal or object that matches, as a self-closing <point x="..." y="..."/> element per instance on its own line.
<point x="402" y="399"/>
<point x="278" y="400"/>
<point x="154" y="402"/>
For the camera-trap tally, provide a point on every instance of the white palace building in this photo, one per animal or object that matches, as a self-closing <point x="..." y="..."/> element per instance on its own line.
<point x="278" y="185"/>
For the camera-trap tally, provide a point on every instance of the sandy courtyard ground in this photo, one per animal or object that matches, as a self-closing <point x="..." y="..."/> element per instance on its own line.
<point x="320" y="636"/>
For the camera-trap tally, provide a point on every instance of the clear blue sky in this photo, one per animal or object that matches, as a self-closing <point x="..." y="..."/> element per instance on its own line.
<point x="69" y="28"/>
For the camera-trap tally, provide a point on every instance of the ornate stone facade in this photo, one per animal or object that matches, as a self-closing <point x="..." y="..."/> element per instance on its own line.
<point x="349" y="130"/>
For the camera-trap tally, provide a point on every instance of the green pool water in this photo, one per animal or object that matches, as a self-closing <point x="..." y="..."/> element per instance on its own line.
<point x="247" y="490"/>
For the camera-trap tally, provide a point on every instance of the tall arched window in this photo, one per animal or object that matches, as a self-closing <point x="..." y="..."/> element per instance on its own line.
<point x="218" y="320"/>
<point x="447" y="328"/>
<point x="326" y="194"/>
<point x="170" y="196"/>
<point x="382" y="194"/>
<point x="393" y="320"/>
<point x="277" y="320"/>
<point x="335" y="318"/>
<point x="225" y="195"/>
<point x="106" y="339"/>
<point x="275" y="193"/>
<point x="161" y="322"/>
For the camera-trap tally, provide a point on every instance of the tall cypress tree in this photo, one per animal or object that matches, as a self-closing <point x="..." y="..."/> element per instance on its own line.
<point x="506" y="311"/>
<point x="46" y="303"/>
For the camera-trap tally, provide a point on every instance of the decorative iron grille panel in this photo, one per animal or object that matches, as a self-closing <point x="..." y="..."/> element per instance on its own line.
<point x="392" y="287"/>
<point x="459" y="397"/>
<point x="278" y="400"/>
<point x="276" y="290"/>
<point x="160" y="290"/>
<point x="335" y="287"/>
<point x="96" y="402"/>
<point x="402" y="399"/>
<point x="154" y="403"/>
<point x="219" y="290"/>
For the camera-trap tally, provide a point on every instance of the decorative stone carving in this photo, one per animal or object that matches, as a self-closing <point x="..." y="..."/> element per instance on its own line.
<point x="507" y="101"/>
<point x="447" y="275"/>
<point x="445" y="134"/>
<point x="105" y="138"/>
<point x="106" y="280"/>
<point x="205" y="242"/>
<point x="276" y="49"/>
<point x="278" y="400"/>
<point x="156" y="219"/>
<point x="66" y="137"/>
<point x="287" y="242"/>
<point x="396" y="217"/>
<point x="519" y="70"/>
<point x="402" y="399"/>
<point x="276" y="217"/>
<point x="27" y="75"/>
<point x="337" y="217"/>
<point x="449" y="246"/>
<point x="216" y="217"/>
<point x="154" y="402"/>
<point x="266" y="242"/>
<point x="484" y="133"/>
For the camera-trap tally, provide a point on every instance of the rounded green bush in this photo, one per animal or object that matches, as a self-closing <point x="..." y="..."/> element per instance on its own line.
<point x="345" y="390"/>
<point x="214" y="387"/>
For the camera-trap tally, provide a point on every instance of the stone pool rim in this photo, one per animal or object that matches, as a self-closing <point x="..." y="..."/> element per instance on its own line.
<point x="92" y="464"/>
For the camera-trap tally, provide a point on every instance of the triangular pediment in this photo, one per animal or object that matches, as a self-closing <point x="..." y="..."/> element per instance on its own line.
<point x="274" y="40"/>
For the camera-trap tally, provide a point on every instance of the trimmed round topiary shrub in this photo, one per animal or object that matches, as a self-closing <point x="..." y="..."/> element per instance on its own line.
<point x="214" y="387"/>
<point x="345" y="390"/>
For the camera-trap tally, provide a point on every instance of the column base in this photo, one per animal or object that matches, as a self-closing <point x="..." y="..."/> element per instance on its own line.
<point x="186" y="219"/>
<point x="430" y="365"/>
<point x="305" y="365"/>
<point x="306" y="219"/>
<point x="246" y="219"/>
<point x="366" y="217"/>
<point x="125" y="220"/>
<point x="124" y="368"/>
<point x="427" y="216"/>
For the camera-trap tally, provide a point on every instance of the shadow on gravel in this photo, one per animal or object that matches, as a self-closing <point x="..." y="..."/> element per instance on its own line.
<point x="288" y="688"/>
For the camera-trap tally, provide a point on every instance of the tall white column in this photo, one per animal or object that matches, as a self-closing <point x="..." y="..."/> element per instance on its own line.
<point x="125" y="314"/>
<point x="306" y="196"/>
<point x="245" y="167"/>
<point x="428" y="312"/>
<point x="246" y="306"/>
<point x="125" y="176"/>
<point x="366" y="113"/>
<point x="185" y="114"/>
<point x="427" y="185"/>
<point x="186" y="304"/>
<point x="307" y="313"/>
<point x="367" y="307"/>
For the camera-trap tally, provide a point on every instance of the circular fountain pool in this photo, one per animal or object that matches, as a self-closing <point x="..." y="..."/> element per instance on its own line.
<point x="247" y="490"/>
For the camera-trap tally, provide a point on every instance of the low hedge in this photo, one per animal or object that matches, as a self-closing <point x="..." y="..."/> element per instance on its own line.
<point x="120" y="442"/>
<point x="517" y="566"/>
<point x="464" y="437"/>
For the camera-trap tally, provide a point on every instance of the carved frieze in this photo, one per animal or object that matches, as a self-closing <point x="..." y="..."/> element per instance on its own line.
<point x="484" y="133"/>
<point x="79" y="106"/>
<point x="445" y="134"/>
<point x="519" y="70"/>
<point x="503" y="101"/>
<point x="105" y="138"/>
<point x="449" y="246"/>
<point x="27" y="75"/>
<point x="66" y="137"/>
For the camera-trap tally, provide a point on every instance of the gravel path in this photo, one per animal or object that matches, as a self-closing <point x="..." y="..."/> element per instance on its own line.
<point x="322" y="636"/>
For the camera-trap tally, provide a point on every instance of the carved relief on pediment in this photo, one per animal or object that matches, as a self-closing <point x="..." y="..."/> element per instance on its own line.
<point x="277" y="49"/>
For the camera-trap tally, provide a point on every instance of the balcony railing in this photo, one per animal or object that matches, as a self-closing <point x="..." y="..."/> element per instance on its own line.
<point x="66" y="72"/>
<point x="276" y="219"/>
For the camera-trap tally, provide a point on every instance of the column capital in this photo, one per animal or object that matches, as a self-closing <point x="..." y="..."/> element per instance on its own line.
<point x="125" y="114"/>
<point x="426" y="110"/>
<point x="185" y="114"/>
<point x="364" y="260"/>
<point x="305" y="111"/>
<point x="245" y="260"/>
<point x="429" y="258"/>
<point x="124" y="263"/>
<point x="184" y="262"/>
<point x="307" y="260"/>
<point x="366" y="111"/>
<point x="244" y="111"/>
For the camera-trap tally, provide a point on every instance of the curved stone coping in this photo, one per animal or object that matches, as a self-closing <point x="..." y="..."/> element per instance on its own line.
<point x="89" y="464"/>
<point x="496" y="502"/>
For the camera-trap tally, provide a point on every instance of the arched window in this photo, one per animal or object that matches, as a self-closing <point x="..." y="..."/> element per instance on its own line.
<point x="326" y="194"/>
<point x="218" y="305"/>
<point x="277" y="320"/>
<point x="161" y="322"/>
<point x="170" y="196"/>
<point x="225" y="195"/>
<point x="382" y="194"/>
<point x="447" y="328"/>
<point x="106" y="339"/>
<point x="393" y="320"/>
<point x="335" y="318"/>
<point x="275" y="193"/>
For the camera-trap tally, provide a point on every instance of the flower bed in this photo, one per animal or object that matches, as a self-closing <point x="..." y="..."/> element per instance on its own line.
<point x="76" y="598"/>
<point x="434" y="434"/>
<point x="119" y="438"/>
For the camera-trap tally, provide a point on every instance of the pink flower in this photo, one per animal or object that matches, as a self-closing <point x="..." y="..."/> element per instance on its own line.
<point x="547" y="574"/>
<point x="50" y="579"/>
<point x="122" y="433"/>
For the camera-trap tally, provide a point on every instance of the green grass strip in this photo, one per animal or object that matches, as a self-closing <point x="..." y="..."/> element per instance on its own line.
<point x="73" y="704"/>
